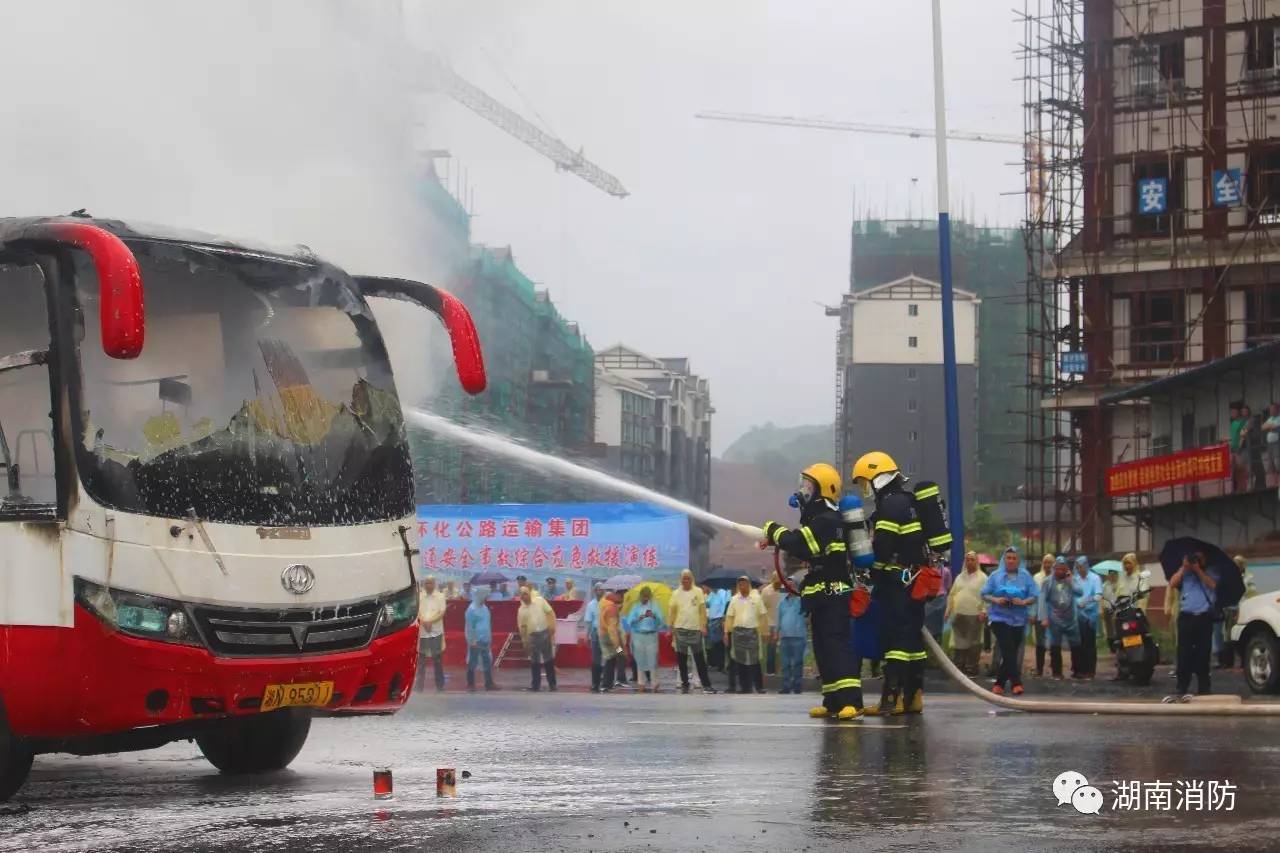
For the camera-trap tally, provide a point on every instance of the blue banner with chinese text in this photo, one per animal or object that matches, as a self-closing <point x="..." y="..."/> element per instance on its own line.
<point x="583" y="541"/>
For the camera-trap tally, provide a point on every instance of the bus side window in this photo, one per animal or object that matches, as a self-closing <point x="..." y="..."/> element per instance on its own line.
<point x="26" y="411"/>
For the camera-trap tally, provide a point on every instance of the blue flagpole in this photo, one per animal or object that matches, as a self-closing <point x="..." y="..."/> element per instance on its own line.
<point x="955" y="485"/>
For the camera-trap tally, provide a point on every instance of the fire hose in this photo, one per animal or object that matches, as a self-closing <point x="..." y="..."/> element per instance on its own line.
<point x="1225" y="706"/>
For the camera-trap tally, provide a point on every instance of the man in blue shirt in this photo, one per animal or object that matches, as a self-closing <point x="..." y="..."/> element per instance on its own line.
<point x="717" y="603"/>
<point x="1088" y="602"/>
<point x="792" y="638"/>
<point x="479" y="634"/>
<point x="1198" y="588"/>
<point x="591" y="621"/>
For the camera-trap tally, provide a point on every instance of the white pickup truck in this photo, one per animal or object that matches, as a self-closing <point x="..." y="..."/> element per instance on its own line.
<point x="1257" y="636"/>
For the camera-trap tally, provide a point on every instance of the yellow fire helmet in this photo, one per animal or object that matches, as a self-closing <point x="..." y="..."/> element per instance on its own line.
<point x="872" y="465"/>
<point x="827" y="479"/>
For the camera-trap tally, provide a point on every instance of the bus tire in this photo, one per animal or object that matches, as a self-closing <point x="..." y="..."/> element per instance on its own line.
<point x="15" y="761"/>
<point x="256" y="744"/>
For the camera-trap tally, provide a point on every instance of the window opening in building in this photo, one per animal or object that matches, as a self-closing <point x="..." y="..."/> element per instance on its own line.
<point x="1157" y="70"/>
<point x="1260" y="50"/>
<point x="1264" y="185"/>
<point x="913" y="342"/>
<point x="911" y="373"/>
<point x="911" y="405"/>
<point x="1144" y="69"/>
<point x="1261" y="314"/>
<point x="1159" y="327"/>
<point x="913" y="310"/>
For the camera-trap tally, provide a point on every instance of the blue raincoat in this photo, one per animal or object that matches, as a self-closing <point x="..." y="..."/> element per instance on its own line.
<point x="644" y="621"/>
<point x="1058" y="606"/>
<point x="1001" y="584"/>
<point x="1088" y="589"/>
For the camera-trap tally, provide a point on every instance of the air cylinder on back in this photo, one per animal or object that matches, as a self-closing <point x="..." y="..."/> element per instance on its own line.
<point x="933" y="517"/>
<point x="856" y="534"/>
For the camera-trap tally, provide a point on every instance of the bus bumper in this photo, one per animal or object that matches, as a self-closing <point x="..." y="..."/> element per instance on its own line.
<point x="91" y="680"/>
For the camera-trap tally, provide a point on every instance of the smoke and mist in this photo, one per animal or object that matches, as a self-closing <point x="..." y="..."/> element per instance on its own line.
<point x="279" y="122"/>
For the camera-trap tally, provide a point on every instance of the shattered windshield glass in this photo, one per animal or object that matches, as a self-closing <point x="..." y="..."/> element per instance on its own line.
<point x="263" y="395"/>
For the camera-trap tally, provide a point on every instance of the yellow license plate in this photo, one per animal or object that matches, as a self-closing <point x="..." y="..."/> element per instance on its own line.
<point x="309" y="694"/>
<point x="1131" y="640"/>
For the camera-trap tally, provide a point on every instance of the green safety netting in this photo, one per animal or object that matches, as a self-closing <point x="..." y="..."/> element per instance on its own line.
<point x="541" y="388"/>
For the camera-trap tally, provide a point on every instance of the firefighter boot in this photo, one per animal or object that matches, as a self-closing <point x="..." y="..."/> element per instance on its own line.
<point x="818" y="712"/>
<point x="913" y="697"/>
<point x="890" y="703"/>
<point x="849" y="712"/>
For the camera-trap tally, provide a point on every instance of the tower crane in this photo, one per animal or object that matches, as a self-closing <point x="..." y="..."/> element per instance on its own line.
<point x="856" y="127"/>
<point x="426" y="71"/>
<point x="435" y="74"/>
<point x="1031" y="150"/>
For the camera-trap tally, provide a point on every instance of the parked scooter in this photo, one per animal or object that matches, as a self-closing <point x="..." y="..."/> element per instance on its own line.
<point x="1137" y="654"/>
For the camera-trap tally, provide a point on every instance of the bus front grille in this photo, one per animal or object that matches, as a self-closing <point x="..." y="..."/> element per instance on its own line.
<point x="253" y="632"/>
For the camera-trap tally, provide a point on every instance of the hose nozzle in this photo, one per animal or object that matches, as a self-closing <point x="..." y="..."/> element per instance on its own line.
<point x="755" y="534"/>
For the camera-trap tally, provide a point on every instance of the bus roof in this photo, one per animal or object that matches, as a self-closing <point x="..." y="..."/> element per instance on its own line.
<point x="17" y="228"/>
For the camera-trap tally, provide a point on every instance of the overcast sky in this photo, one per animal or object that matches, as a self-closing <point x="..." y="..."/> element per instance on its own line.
<point x="732" y="233"/>
<point x="282" y="120"/>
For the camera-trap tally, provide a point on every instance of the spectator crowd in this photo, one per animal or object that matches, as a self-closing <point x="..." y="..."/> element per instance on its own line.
<point x="1255" y="447"/>
<point x="1063" y="610"/>
<point x="744" y="633"/>
<point x="1068" y="607"/>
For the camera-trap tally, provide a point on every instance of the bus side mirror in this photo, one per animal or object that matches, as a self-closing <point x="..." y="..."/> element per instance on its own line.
<point x="467" y="356"/>
<point x="119" y="281"/>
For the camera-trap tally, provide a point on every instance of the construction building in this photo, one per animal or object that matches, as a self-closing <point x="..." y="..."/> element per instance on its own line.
<point x="653" y="424"/>
<point x="540" y="370"/>
<point x="1153" y="295"/>
<point x="892" y="377"/>
<point x="990" y="264"/>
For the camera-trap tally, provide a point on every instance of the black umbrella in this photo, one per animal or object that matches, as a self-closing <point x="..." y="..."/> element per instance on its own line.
<point x="727" y="579"/>
<point x="1230" y="587"/>
<point x="489" y="576"/>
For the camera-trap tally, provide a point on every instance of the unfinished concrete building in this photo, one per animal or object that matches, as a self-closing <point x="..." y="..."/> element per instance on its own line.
<point x="1153" y="234"/>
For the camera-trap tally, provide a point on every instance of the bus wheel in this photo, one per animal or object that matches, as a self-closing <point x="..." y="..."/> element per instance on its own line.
<point x="256" y="744"/>
<point x="15" y="764"/>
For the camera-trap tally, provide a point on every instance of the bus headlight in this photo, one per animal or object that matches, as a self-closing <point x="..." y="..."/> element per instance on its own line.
<point x="137" y="614"/>
<point x="399" y="611"/>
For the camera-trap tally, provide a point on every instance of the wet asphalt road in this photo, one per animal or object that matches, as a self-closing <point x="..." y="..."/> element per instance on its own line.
<point x="575" y="771"/>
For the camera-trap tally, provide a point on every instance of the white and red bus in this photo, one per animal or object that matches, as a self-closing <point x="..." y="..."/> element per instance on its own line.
<point x="206" y="505"/>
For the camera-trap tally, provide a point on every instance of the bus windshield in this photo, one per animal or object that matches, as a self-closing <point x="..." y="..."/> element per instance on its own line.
<point x="263" y="395"/>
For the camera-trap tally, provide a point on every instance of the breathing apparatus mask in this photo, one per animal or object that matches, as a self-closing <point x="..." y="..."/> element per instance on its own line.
<point x="865" y="490"/>
<point x="804" y="494"/>
<point x="869" y="489"/>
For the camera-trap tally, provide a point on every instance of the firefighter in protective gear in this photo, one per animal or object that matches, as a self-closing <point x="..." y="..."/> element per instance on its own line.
<point x="901" y="545"/>
<point x="826" y="587"/>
